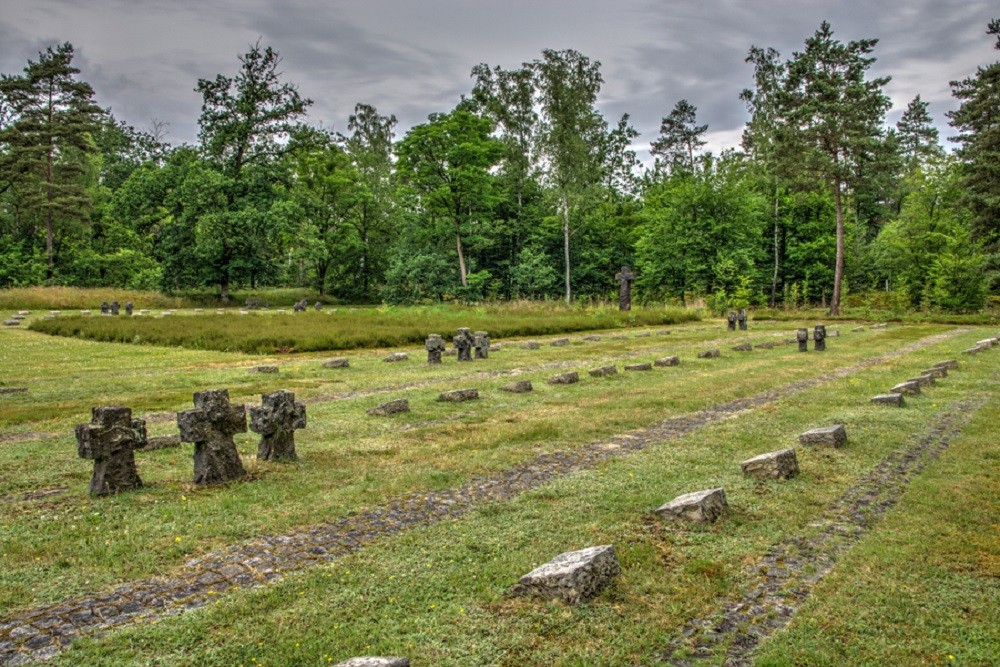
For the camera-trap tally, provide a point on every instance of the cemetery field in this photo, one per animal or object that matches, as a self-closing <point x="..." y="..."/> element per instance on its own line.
<point x="405" y="535"/>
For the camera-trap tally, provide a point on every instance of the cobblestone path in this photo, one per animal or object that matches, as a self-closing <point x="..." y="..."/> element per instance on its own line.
<point x="41" y="632"/>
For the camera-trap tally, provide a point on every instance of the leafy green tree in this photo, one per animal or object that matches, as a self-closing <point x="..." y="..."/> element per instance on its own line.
<point x="46" y="144"/>
<point x="680" y="138"/>
<point x="918" y="138"/>
<point x="831" y="116"/>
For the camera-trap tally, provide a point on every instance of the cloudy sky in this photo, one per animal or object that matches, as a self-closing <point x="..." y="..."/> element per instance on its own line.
<point x="413" y="57"/>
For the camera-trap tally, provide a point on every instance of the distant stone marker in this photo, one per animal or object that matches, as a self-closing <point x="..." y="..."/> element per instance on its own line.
<point x="435" y="348"/>
<point x="625" y="278"/>
<point x="573" y="577"/>
<point x="162" y="442"/>
<point x="129" y="308"/>
<point x="565" y="378"/>
<point x="116" y="308"/>
<point x="950" y="364"/>
<point x="922" y="380"/>
<point x="390" y="408"/>
<point x="110" y="440"/>
<point x="105" y="308"/>
<point x="211" y="426"/>
<point x="911" y="388"/>
<point x="741" y="319"/>
<point x="774" y="465"/>
<point x="743" y="347"/>
<point x="532" y="345"/>
<point x="937" y="372"/>
<point x="639" y="367"/>
<point x="393" y="357"/>
<point x="276" y="420"/>
<point x="603" y="371"/>
<point x="372" y="661"/>
<point x="834" y="436"/>
<point x="709" y="354"/>
<point x="519" y="387"/>
<point x="802" y="337"/>
<point x="889" y="399"/>
<point x="459" y="395"/>
<point x="731" y="320"/>
<point x="339" y="362"/>
<point x="300" y="306"/>
<point x="819" y="338"/>
<point x="263" y="369"/>
<point x="667" y="361"/>
<point x="857" y="329"/>
<point x="592" y="339"/>
<point x="698" y="506"/>
<point x="13" y="390"/>
<point x="481" y="342"/>
<point x="463" y="342"/>
<point x="560" y="342"/>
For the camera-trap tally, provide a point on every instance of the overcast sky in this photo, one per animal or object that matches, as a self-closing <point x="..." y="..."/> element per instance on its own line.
<point x="413" y="57"/>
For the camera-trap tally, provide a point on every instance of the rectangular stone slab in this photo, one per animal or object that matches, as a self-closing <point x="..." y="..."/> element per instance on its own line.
<point x="773" y="465"/>
<point x="911" y="388"/>
<point x="950" y="364"/>
<point x="565" y="378"/>
<point x="519" y="387"/>
<point x="743" y="347"/>
<point x="709" y="354"/>
<point x="697" y="506"/>
<point x="937" y="372"/>
<point x="667" y="361"/>
<point x="603" y="371"/>
<point x="834" y="436"/>
<point x="573" y="577"/>
<point x="639" y="367"/>
<point x="459" y="395"/>
<point x="922" y="380"/>
<point x="560" y="342"/>
<point x="397" y="356"/>
<point x="390" y="408"/>
<point x="889" y="399"/>
<point x="340" y="362"/>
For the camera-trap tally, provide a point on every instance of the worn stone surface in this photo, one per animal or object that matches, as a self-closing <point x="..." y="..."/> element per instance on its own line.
<point x="300" y="306"/>
<point x="565" y="378"/>
<point x="390" y="408"/>
<point x="698" y="506"/>
<point x="560" y="342"/>
<point x="709" y="354"/>
<point x="889" y="399"/>
<point x="12" y="323"/>
<point x="161" y="442"/>
<point x="276" y="419"/>
<point x="372" y="661"/>
<point x="938" y="372"/>
<point x="802" y="337"/>
<point x="625" y="278"/>
<point x="592" y="339"/>
<point x="857" y="329"/>
<point x="393" y="357"/>
<point x="743" y="347"/>
<point x="741" y="319"/>
<point x="573" y="577"/>
<point x="463" y="342"/>
<point x="532" y="345"/>
<point x="765" y="346"/>
<point x="819" y="338"/>
<point x="603" y="371"/>
<point x="116" y="308"/>
<point x="639" y="367"/>
<point x="667" y="361"/>
<point x="519" y="387"/>
<point x="339" y="362"/>
<point x="923" y="380"/>
<point x="950" y="364"/>
<point x="211" y="426"/>
<point x="435" y="348"/>
<point x="731" y="321"/>
<point x="110" y="440"/>
<point x="458" y="395"/>
<point x="774" y="465"/>
<point x="263" y="369"/>
<point x="13" y="390"/>
<point x="481" y="342"/>
<point x="909" y="388"/>
<point x="834" y="436"/>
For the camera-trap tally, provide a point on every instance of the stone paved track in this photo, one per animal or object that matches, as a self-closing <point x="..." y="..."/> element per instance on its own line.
<point x="40" y="633"/>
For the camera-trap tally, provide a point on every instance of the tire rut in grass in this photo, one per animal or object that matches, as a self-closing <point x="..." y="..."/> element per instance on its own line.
<point x="41" y="632"/>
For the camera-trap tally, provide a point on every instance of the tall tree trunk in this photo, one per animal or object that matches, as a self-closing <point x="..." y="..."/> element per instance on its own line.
<point x="565" y="216"/>
<point x="461" y="258"/>
<point x="838" y="272"/>
<point x="224" y="287"/>
<point x="777" y="252"/>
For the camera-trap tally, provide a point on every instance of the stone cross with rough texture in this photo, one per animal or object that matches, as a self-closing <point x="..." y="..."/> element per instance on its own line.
<point x="105" y="308"/>
<point x="731" y="321"/>
<point x="116" y="308"/>
<point x="110" y="440"/>
<point x="625" y="277"/>
<point x="211" y="426"/>
<point x="819" y="338"/>
<point x="699" y="506"/>
<point x="481" y="341"/>
<point x="741" y="319"/>
<point x="565" y="378"/>
<point x="129" y="308"/>
<point x="573" y="577"/>
<point x="277" y="419"/>
<point x="802" y="336"/>
<point x="435" y="348"/>
<point x="463" y="342"/>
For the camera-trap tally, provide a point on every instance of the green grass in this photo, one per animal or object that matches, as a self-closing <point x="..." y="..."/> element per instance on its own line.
<point x="437" y="594"/>
<point x="63" y="298"/>
<point x="350" y="328"/>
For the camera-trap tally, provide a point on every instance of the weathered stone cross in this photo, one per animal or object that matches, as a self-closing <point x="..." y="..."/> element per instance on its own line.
<point x="110" y="440"/>
<point x="625" y="277"/>
<point x="211" y="426"/>
<point x="277" y="419"/>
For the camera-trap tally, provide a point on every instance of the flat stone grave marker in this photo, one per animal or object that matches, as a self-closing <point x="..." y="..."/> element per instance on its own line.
<point x="774" y="465"/>
<point x="12" y="323"/>
<point x="393" y="357"/>
<point x="986" y="342"/>
<point x="211" y="426"/>
<point x="698" y="506"/>
<point x="519" y="387"/>
<point x="495" y="346"/>
<point x="565" y="378"/>
<point x="156" y="442"/>
<point x="910" y="388"/>
<point x="922" y="380"/>
<point x="459" y="395"/>
<point x="391" y="408"/>
<point x="263" y="369"/>
<point x="709" y="354"/>
<point x="889" y="399"/>
<point x="481" y="342"/>
<point x="560" y="342"/>
<point x="972" y="350"/>
<point x="668" y="361"/>
<point x="603" y="371"/>
<point x="373" y="661"/>
<point x="435" y="348"/>
<point x="532" y="345"/>
<point x="592" y="339"/>
<point x="834" y="436"/>
<point x="950" y="364"/>
<point x="450" y="352"/>
<point x="743" y="347"/>
<point x="25" y="313"/>
<point x="276" y="419"/>
<point x="573" y="577"/>
<point x="110" y="440"/>
<point x="13" y="390"/>
<point x="764" y="346"/>
<point x="639" y="367"/>
<point x="880" y="325"/>
<point x="339" y="362"/>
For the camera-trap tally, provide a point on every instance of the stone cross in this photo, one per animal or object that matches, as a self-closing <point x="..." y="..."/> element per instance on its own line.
<point x="802" y="336"/>
<point x="731" y="321"/>
<point x="463" y="343"/>
<point x="317" y="306"/>
<point x="277" y="419"/>
<point x="435" y="348"/>
<point x="105" y="308"/>
<point x="741" y="318"/>
<point x="625" y="277"/>
<point x="819" y="337"/>
<point x="129" y="307"/>
<point x="300" y="306"/>
<point x="481" y="342"/>
<point x="211" y="426"/>
<point x="110" y="440"/>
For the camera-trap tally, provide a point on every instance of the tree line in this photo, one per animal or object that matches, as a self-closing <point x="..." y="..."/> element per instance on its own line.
<point x="522" y="190"/>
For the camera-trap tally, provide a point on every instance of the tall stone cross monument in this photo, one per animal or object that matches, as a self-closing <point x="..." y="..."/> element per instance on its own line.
<point x="625" y="277"/>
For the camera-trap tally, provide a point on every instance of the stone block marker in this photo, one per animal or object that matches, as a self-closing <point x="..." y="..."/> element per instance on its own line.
<point x="396" y="356"/>
<point x="532" y="345"/>
<point x="390" y="408"/>
<point x="592" y="339"/>
<point x="519" y="387"/>
<point x="834" y="436"/>
<point x="276" y="419"/>
<point x="12" y="323"/>
<point x="459" y="395"/>
<point x="950" y="364"/>
<point x="263" y="369"/>
<point x="709" y="354"/>
<point x="743" y="347"/>
<point x="765" y="346"/>
<point x="889" y="399"/>
<point x="13" y="390"/>
<point x="668" y="361"/>
<point x="211" y="426"/>
<point x="339" y="362"/>
<point x="922" y="380"/>
<point x="560" y="342"/>
<point x="565" y="378"/>
<point x="573" y="577"/>
<point x="699" y="506"/>
<point x="372" y="661"/>
<point x="603" y="371"/>
<point x="435" y="348"/>
<point x="802" y="338"/>
<point x="880" y="325"/>
<point x="936" y="372"/>
<point x="910" y="388"/>
<point x="774" y="465"/>
<point x="639" y="367"/>
<point x="162" y="442"/>
<point x="110" y="440"/>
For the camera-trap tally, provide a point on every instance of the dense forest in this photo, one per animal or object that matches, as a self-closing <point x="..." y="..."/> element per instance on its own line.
<point x="522" y="190"/>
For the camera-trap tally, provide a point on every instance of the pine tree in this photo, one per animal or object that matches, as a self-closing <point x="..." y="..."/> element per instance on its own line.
<point x="680" y="138"/>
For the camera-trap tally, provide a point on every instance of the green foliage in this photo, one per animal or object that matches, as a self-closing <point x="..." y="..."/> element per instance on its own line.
<point x="533" y="276"/>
